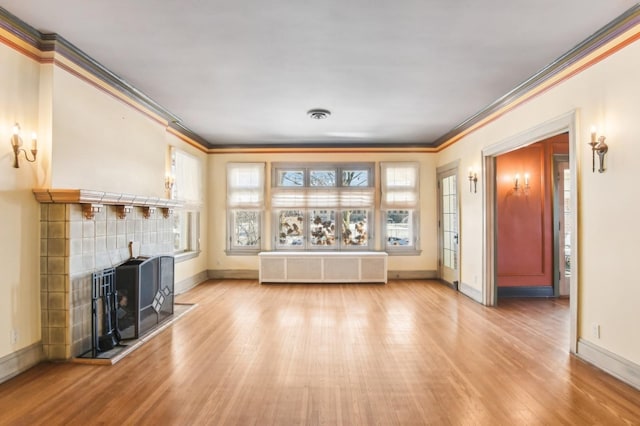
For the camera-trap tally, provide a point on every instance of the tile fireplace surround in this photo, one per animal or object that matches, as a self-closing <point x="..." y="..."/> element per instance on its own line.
<point x="82" y="232"/>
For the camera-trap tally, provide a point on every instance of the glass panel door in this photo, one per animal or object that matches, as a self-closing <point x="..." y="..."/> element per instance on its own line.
<point x="448" y="226"/>
<point x="563" y="249"/>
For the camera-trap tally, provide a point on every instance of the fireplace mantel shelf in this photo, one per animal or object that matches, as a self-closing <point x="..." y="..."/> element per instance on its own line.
<point x="92" y="201"/>
<point x="87" y="196"/>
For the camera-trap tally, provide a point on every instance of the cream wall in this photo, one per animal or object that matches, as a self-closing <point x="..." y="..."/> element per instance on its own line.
<point x="218" y="259"/>
<point x="101" y="143"/>
<point x="470" y="204"/>
<point x="605" y="95"/>
<point x="87" y="139"/>
<point x="20" y="234"/>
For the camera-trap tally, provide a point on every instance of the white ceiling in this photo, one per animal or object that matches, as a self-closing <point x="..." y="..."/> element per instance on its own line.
<point x="245" y="72"/>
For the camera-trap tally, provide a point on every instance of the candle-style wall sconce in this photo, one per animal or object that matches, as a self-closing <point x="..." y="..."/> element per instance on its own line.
<point x="473" y="181"/>
<point x="169" y="180"/>
<point x="598" y="146"/>
<point x="518" y="186"/>
<point x="16" y="144"/>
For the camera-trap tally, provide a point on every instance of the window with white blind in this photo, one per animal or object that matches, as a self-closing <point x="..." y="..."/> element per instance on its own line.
<point x="186" y="170"/>
<point x="245" y="206"/>
<point x="399" y="203"/>
<point x="323" y="206"/>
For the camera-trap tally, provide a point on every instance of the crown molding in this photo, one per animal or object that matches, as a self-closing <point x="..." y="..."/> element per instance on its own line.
<point x="55" y="43"/>
<point x="606" y="34"/>
<point x="323" y="149"/>
<point x="20" y="29"/>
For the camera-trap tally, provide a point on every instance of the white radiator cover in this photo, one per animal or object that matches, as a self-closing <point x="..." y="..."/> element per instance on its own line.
<point x="323" y="267"/>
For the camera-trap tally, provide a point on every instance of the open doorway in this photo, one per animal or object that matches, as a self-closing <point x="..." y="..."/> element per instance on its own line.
<point x="564" y="124"/>
<point x="526" y="263"/>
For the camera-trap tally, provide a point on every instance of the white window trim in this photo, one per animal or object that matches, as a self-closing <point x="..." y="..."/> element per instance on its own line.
<point x="306" y="238"/>
<point x="234" y="250"/>
<point x="305" y="198"/>
<point x="249" y="198"/>
<point x="412" y="250"/>
<point x="408" y="199"/>
<point x="193" y="233"/>
<point x="191" y="197"/>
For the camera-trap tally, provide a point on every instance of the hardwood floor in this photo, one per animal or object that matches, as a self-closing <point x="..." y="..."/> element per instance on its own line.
<point x="409" y="352"/>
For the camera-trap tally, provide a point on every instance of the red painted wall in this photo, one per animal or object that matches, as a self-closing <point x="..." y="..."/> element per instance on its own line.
<point x="525" y="216"/>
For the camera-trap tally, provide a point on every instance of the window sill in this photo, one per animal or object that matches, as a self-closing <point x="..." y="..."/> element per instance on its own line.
<point x="320" y="248"/>
<point x="186" y="255"/>
<point x="403" y="252"/>
<point x="406" y="252"/>
<point x="252" y="252"/>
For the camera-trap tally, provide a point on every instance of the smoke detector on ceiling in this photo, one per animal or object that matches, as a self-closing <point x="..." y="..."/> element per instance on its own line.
<point x="318" y="114"/>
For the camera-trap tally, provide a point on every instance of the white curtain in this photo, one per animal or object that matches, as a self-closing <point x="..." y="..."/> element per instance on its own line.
<point x="245" y="185"/>
<point x="187" y="172"/>
<point x="400" y="185"/>
<point x="322" y="197"/>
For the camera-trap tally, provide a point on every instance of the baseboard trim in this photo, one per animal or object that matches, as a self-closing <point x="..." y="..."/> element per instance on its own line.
<point x="453" y="286"/>
<point x="233" y="274"/>
<point x="20" y="361"/>
<point x="412" y="275"/>
<point x="533" y="291"/>
<point x="470" y="292"/>
<point x="251" y="274"/>
<point x="613" y="364"/>
<point x="191" y="282"/>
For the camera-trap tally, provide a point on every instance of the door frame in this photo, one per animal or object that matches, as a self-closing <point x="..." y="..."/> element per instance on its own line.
<point x="564" y="123"/>
<point x="449" y="169"/>
<point x="558" y="215"/>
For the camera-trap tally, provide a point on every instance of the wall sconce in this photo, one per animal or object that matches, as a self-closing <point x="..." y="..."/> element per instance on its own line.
<point x="169" y="180"/>
<point x="16" y="143"/>
<point x="518" y="187"/>
<point x="597" y="147"/>
<point x="473" y="181"/>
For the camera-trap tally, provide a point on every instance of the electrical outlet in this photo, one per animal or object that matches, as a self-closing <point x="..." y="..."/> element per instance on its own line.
<point x="14" y="336"/>
<point x="595" y="330"/>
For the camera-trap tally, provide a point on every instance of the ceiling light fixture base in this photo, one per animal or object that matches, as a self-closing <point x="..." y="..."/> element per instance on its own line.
<point x="318" y="113"/>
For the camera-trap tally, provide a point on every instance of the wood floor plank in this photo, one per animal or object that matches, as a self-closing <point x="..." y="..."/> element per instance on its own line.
<point x="408" y="352"/>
